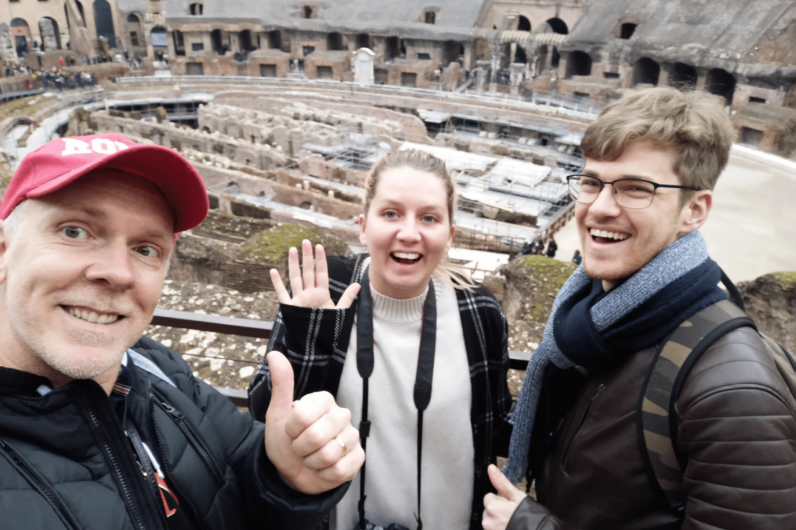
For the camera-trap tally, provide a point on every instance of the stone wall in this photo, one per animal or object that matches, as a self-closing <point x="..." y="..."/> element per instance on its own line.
<point x="101" y="72"/>
<point x="771" y="302"/>
<point x="215" y="177"/>
<point x="335" y="65"/>
<point x="347" y="114"/>
<point x="245" y="264"/>
<point x="316" y="166"/>
<point x="768" y="128"/>
<point x="203" y="142"/>
<point x="248" y="277"/>
<point x="199" y="259"/>
<point x="244" y="221"/>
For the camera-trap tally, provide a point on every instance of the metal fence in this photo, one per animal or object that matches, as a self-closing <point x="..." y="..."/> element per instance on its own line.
<point x="16" y="95"/>
<point x="253" y="328"/>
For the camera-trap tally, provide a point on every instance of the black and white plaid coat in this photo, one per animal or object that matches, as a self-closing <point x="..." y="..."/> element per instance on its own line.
<point x="316" y="340"/>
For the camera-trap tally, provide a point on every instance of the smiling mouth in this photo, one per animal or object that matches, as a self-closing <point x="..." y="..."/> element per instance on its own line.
<point x="604" y="236"/>
<point x="405" y="258"/>
<point x="92" y="316"/>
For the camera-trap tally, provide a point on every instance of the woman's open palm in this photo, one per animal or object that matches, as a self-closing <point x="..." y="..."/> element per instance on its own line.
<point x="310" y="287"/>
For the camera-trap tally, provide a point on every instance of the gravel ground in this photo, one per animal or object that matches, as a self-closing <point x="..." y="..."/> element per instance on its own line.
<point x="218" y="359"/>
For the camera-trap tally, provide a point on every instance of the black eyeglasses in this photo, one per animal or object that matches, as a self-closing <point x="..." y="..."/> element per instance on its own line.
<point x="635" y="194"/>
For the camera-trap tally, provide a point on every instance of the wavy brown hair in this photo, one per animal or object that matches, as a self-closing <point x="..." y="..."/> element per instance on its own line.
<point x="693" y="125"/>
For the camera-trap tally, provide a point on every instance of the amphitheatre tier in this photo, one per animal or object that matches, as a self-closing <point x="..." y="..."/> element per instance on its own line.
<point x="586" y="52"/>
<point x="297" y="152"/>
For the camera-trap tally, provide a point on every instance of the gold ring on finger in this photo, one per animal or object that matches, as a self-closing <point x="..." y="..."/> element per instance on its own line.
<point x="342" y="445"/>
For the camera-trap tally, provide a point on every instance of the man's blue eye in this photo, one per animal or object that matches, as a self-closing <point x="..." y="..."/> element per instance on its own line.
<point x="74" y="232"/>
<point x="429" y="218"/>
<point x="390" y="215"/>
<point x="147" y="251"/>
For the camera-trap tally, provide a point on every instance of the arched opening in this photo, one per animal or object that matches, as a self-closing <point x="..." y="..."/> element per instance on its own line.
<point x="245" y="41"/>
<point x="542" y="57"/>
<point x="558" y="26"/>
<point x="82" y="13"/>
<point x="626" y="30"/>
<point x="520" y="56"/>
<point x="334" y="42"/>
<point x="306" y="12"/>
<point x="555" y="58"/>
<point x="197" y="8"/>
<point x="364" y="41"/>
<point x="219" y="48"/>
<point x="279" y="40"/>
<point x="505" y="61"/>
<point x="179" y="42"/>
<point x="450" y="52"/>
<point x="578" y="63"/>
<point x="523" y="24"/>
<point x="103" y="19"/>
<point x="721" y="83"/>
<point x="21" y="33"/>
<point x="50" y="38"/>
<point x="646" y="71"/>
<point x="683" y="77"/>
<point x="391" y="48"/>
<point x="430" y="17"/>
<point x="159" y="37"/>
<point x="134" y="29"/>
<point x="275" y="39"/>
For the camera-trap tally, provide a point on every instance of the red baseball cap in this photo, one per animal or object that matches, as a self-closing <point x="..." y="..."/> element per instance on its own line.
<point x="64" y="160"/>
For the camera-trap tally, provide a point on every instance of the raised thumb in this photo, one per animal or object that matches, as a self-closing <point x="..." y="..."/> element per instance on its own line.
<point x="503" y="485"/>
<point x="281" y="385"/>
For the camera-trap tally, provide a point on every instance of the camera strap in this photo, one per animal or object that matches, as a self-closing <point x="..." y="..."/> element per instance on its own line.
<point x="422" y="390"/>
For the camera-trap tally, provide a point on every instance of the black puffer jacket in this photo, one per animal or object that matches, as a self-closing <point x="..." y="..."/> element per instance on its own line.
<point x="65" y="462"/>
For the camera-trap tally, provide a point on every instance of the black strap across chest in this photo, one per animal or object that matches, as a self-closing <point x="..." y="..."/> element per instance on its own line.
<point x="422" y="390"/>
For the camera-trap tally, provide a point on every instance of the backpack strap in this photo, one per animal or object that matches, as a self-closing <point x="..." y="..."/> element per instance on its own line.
<point x="656" y="425"/>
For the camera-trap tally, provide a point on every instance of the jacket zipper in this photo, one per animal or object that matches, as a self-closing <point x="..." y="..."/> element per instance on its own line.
<point x="179" y="419"/>
<point x="144" y="465"/>
<point x="173" y="483"/>
<point x="118" y="470"/>
<point x="42" y="486"/>
<point x="572" y="433"/>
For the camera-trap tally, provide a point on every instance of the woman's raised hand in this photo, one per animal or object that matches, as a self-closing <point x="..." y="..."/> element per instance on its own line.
<point x="311" y="287"/>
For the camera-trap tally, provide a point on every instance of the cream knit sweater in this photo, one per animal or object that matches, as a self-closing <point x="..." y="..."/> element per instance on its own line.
<point x="448" y="452"/>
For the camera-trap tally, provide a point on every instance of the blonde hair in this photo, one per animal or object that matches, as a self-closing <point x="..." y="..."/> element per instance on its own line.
<point x="694" y="125"/>
<point x="14" y="220"/>
<point x="457" y="277"/>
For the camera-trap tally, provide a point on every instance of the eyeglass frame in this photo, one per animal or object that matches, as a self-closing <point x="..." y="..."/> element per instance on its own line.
<point x="655" y="186"/>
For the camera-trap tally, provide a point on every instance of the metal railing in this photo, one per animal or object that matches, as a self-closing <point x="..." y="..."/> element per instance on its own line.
<point x="245" y="327"/>
<point x="8" y="96"/>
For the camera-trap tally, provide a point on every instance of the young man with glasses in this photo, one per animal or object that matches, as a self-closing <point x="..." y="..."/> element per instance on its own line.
<point x="652" y="160"/>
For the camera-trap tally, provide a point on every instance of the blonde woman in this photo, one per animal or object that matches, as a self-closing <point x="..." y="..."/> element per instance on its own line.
<point x="419" y="356"/>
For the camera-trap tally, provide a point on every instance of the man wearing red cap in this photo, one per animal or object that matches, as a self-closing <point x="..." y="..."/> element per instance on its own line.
<point x="101" y="428"/>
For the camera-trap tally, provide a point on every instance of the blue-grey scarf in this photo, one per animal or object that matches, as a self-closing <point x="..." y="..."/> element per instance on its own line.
<point x="587" y="325"/>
